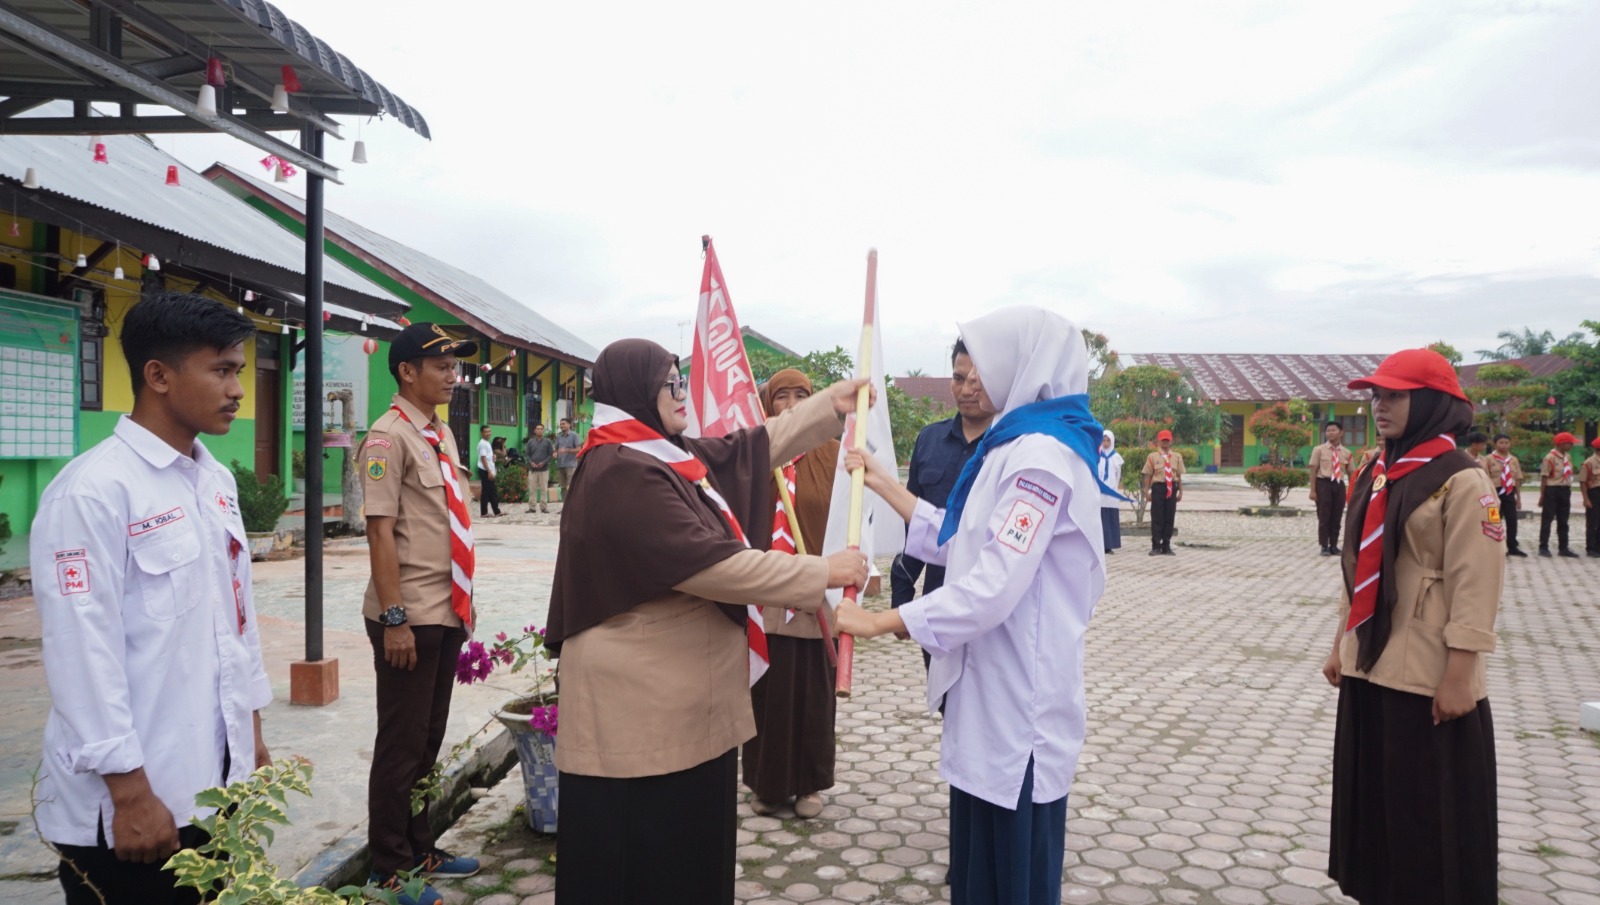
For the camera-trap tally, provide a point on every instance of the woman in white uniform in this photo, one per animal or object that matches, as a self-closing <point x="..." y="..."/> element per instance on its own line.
<point x="1022" y="542"/>
<point x="1109" y="466"/>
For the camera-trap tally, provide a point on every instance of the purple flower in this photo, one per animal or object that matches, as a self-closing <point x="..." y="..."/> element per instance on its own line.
<point x="504" y="655"/>
<point x="528" y="629"/>
<point x="541" y="633"/>
<point x="500" y="637"/>
<point x="544" y="719"/>
<point x="474" y="664"/>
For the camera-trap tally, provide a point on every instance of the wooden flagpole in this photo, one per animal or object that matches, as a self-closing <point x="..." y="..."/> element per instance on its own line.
<point x="800" y="550"/>
<point x="858" y="478"/>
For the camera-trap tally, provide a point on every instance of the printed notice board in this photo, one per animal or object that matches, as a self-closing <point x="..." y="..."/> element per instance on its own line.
<point x="38" y="379"/>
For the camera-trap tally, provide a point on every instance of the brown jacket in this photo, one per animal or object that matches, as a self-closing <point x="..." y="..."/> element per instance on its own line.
<point x="1553" y="467"/>
<point x="665" y="686"/>
<point x="1589" y="474"/>
<point x="1154" y="473"/>
<point x="1497" y="472"/>
<point x="1449" y="570"/>
<point x="1325" y="460"/>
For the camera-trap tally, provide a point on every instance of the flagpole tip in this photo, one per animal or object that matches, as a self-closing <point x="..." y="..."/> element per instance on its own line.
<point x="705" y="242"/>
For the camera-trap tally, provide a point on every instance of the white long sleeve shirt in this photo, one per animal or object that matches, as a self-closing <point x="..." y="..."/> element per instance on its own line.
<point x="141" y="574"/>
<point x="1025" y="570"/>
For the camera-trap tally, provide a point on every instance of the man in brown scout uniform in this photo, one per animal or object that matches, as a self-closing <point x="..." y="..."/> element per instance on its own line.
<point x="1589" y="490"/>
<point x="1478" y="447"/>
<point x="1330" y="473"/>
<point x="1506" y="473"/>
<point x="1162" y="478"/>
<point x="1555" y="494"/>
<point x="418" y="605"/>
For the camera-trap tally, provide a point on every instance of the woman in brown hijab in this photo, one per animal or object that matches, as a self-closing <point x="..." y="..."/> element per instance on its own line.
<point x="647" y="615"/>
<point x="792" y="753"/>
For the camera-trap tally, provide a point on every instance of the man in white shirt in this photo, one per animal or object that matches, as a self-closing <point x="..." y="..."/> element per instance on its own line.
<point x="142" y="581"/>
<point x="489" y="492"/>
<point x="1025" y="561"/>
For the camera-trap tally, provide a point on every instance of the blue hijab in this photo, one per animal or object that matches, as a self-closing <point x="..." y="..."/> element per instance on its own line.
<point x="1065" y="418"/>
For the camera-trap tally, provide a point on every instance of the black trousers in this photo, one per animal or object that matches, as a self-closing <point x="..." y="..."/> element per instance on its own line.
<point x="413" y="709"/>
<point x="488" y="495"/>
<point x="1508" y="512"/>
<point x="1557" y="503"/>
<point x="124" y="882"/>
<point x="1591" y="523"/>
<point x="1162" y="509"/>
<point x="1330" y="511"/>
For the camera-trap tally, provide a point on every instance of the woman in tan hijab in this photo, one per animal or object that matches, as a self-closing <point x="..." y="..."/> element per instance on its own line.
<point x="791" y="756"/>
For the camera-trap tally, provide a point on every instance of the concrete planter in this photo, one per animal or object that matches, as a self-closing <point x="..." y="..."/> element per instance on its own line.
<point x="261" y="544"/>
<point x="536" y="750"/>
<point x="1273" y="511"/>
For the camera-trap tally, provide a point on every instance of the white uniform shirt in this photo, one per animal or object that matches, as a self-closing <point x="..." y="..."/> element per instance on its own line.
<point x="486" y="457"/>
<point x="146" y="661"/>
<point x="1025" y="570"/>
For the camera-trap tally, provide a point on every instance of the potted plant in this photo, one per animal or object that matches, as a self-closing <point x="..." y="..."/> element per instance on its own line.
<point x="298" y="470"/>
<point x="531" y="717"/>
<point x="261" y="504"/>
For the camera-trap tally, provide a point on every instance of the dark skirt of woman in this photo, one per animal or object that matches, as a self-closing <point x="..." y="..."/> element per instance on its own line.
<point x="1111" y="524"/>
<point x="667" y="840"/>
<point x="1001" y="856"/>
<point x="792" y="753"/>
<point x="1414" y="809"/>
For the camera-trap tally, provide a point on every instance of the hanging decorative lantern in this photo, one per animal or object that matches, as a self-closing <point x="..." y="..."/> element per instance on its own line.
<point x="100" y="150"/>
<point x="207" y="102"/>
<point x="280" y="174"/>
<point x="327" y="316"/>
<point x="215" y="77"/>
<point x="369" y="345"/>
<point x="83" y="261"/>
<point x="172" y="174"/>
<point x="16" y="230"/>
<point x="365" y="319"/>
<point x="404" y="321"/>
<point x="1550" y="401"/>
<point x="30" y="179"/>
<point x="285" y="328"/>
<point x="152" y="263"/>
<point x="117" y="273"/>
<point x="291" y="81"/>
<point x="280" y="99"/>
<point x="360" y="153"/>
<point x="249" y="295"/>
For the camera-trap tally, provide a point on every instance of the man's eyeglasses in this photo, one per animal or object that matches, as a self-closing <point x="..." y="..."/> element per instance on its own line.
<point x="678" y="385"/>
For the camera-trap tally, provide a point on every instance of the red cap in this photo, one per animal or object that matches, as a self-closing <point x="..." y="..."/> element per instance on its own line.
<point x="1595" y="442"/>
<point x="1414" y="369"/>
<point x="1164" y="435"/>
<point x="1565" y="437"/>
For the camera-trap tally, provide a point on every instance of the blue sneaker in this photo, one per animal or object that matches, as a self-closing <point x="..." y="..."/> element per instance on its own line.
<point x="441" y="865"/>
<point x="428" y="895"/>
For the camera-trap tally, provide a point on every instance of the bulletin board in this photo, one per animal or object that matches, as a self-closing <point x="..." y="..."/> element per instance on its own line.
<point x="38" y="378"/>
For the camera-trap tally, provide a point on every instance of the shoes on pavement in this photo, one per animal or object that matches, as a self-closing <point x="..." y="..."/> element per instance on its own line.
<point x="1544" y="551"/>
<point x="1567" y="553"/>
<point x="1516" y="552"/>
<point x="428" y="895"/>
<point x="1593" y="553"/>
<point x="1167" y="551"/>
<point x="544" y="508"/>
<point x="441" y="865"/>
<point x="1326" y="552"/>
<point x="1334" y="550"/>
<point x="762" y="808"/>
<point x="808" y="806"/>
<point x="1155" y="552"/>
<point x="1109" y="551"/>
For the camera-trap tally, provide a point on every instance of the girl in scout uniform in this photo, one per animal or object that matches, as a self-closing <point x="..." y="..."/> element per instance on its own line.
<point x="1414" y="811"/>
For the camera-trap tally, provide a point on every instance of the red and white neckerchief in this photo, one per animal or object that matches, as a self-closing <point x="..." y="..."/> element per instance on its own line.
<point x="782" y="540"/>
<point x="1369" y="559"/>
<point x="1166" y="469"/>
<point x="1566" y="465"/>
<point x="462" y="558"/>
<point x="1338" y="467"/>
<point x="615" y="426"/>
<point x="235" y="549"/>
<point x="1508" y="484"/>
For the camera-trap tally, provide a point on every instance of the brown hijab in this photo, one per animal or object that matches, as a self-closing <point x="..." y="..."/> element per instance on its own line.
<point x="813" y="474"/>
<point x="632" y="528"/>
<point x="1432" y="413"/>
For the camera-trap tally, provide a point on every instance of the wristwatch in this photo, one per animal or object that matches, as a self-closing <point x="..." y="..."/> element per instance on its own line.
<point x="393" y="616"/>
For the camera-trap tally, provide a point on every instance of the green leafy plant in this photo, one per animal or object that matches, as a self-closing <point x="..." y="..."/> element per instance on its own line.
<point x="5" y="530"/>
<point x="512" y="481"/>
<point x="297" y="464"/>
<point x="431" y="786"/>
<point x="234" y="866"/>
<point x="261" y="503"/>
<point x="1282" y="428"/>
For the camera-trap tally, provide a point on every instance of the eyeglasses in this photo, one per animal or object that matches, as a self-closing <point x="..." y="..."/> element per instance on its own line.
<point x="677" y="385"/>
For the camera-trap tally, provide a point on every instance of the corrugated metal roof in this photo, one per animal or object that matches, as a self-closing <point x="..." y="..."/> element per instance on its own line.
<point x="134" y="185"/>
<point x="1537" y="365"/>
<point x="1267" y="378"/>
<point x="936" y="389"/>
<point x="501" y="316"/>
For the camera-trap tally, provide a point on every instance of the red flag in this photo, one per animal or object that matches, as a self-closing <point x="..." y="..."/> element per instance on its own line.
<point x="723" y="398"/>
<point x="722" y="391"/>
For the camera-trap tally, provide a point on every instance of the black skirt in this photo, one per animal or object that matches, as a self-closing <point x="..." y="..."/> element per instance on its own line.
<point x="1415" y="819"/>
<point x="1111" y="526"/>
<point x="665" y="840"/>
<point x="792" y="753"/>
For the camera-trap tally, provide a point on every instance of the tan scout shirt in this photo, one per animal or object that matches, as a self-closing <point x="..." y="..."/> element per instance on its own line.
<point x="1448" y="574"/>
<point x="665" y="686"/>
<point x="1326" y="458"/>
<point x="1589" y="474"/>
<point x="1497" y="471"/>
<point x="1154" y="471"/>
<point x="401" y="477"/>
<point x="1550" y="469"/>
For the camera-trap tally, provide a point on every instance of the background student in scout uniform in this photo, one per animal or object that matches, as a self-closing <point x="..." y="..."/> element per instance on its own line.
<point x="1589" y="489"/>
<point x="418" y="605"/>
<point x="1162" y="477"/>
<point x="791" y="756"/>
<point x="1330" y="464"/>
<point x="1555" y="494"/>
<point x="151" y="650"/>
<point x="1021" y="537"/>
<point x="1505" y="472"/>
<point x="1414" y="817"/>
<point x="1477" y="447"/>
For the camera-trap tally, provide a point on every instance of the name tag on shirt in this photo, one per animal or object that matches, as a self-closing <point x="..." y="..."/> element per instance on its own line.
<point x="1022" y="523"/>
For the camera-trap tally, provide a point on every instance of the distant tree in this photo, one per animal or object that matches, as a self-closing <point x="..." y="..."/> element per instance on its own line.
<point x="1527" y="343"/>
<point x="1578" y="387"/>
<point x="916" y="372"/>
<point x="1102" y="358"/>
<point x="1509" y="400"/>
<point x="1282" y="430"/>
<point x="908" y="415"/>
<point x="1450" y="353"/>
<point x="1137" y="403"/>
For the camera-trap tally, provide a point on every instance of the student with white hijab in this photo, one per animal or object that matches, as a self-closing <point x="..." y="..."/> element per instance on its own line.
<point x="1023" y="546"/>
<point x="1109" y="466"/>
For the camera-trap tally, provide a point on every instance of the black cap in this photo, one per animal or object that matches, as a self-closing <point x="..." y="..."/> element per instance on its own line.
<point x="427" y="341"/>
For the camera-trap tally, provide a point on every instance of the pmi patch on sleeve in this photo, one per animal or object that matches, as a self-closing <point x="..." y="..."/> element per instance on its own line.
<point x="1036" y="490"/>
<point x="72" y="574"/>
<point x="1022" y="524"/>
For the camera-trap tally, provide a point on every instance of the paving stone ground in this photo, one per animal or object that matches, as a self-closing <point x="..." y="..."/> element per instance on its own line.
<point x="1205" y="776"/>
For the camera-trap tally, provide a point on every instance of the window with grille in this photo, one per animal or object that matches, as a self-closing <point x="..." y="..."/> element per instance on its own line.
<point x="500" y="389"/>
<point x="1355" y="430"/>
<point x="91" y="373"/>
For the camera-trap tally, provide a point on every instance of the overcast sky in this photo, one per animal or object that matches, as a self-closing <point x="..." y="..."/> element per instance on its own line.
<point x="1187" y="177"/>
